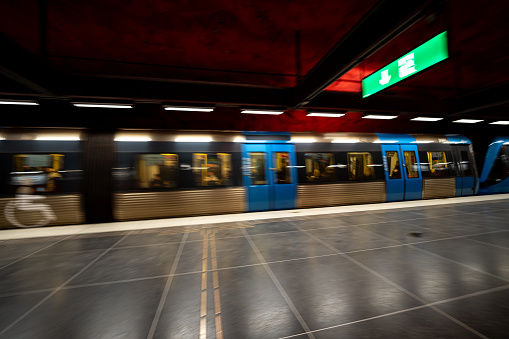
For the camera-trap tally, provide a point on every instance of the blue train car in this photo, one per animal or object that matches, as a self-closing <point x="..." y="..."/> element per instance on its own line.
<point x="105" y="175"/>
<point x="495" y="173"/>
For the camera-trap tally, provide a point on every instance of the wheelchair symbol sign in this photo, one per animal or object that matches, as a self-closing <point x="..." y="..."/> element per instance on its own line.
<point x="25" y="201"/>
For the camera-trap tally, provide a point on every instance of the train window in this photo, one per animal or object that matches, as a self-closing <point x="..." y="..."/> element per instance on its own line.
<point x="319" y="167"/>
<point x="41" y="171"/>
<point x="212" y="169"/>
<point x="465" y="164"/>
<point x="157" y="170"/>
<point x="411" y="164"/>
<point x="258" y="168"/>
<point x="438" y="164"/>
<point x="282" y="161"/>
<point x="360" y="166"/>
<point x="500" y="169"/>
<point x="393" y="165"/>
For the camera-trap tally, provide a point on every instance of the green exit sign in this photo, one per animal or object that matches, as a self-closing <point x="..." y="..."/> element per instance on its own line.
<point x="424" y="56"/>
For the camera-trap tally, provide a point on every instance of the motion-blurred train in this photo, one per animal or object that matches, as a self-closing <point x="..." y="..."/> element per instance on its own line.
<point x="62" y="177"/>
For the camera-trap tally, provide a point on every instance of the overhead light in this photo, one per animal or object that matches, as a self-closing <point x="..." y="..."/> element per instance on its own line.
<point x="426" y="119"/>
<point x="303" y="140"/>
<point x="500" y="123"/>
<point x="422" y="142"/>
<point x="325" y="114"/>
<point x="16" y="102"/>
<point x="58" y="138"/>
<point x="345" y="141"/>
<point x="139" y="139"/>
<point x="467" y="121"/>
<point x="193" y="139"/>
<point x="78" y="104"/>
<point x="384" y="117"/>
<point x="262" y="112"/>
<point x="239" y="139"/>
<point x="189" y="109"/>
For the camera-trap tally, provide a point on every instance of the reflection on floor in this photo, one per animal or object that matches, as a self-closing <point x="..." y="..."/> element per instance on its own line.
<point x="419" y="271"/>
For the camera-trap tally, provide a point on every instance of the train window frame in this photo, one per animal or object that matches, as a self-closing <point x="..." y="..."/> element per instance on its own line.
<point x="366" y="164"/>
<point x="218" y="173"/>
<point x="157" y="180"/>
<point x="500" y="168"/>
<point x="44" y="179"/>
<point x="434" y="170"/>
<point x="254" y="171"/>
<point x="319" y="174"/>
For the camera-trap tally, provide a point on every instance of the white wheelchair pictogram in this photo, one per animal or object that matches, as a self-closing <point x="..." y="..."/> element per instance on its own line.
<point x="25" y="201"/>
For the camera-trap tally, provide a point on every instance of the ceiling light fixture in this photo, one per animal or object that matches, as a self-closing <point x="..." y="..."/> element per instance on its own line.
<point x="426" y="119"/>
<point x="58" y="138"/>
<point x="261" y="112"/>
<point x="467" y="121"/>
<point x="188" y="109"/>
<point x="80" y="104"/>
<point x="303" y="140"/>
<point x="501" y="122"/>
<point x="14" y="102"/>
<point x="136" y="139"/>
<point x="382" y="117"/>
<point x="325" y="114"/>
<point x="193" y="139"/>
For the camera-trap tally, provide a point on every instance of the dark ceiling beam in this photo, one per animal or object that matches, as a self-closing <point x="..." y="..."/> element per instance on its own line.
<point x="21" y="67"/>
<point x="122" y="89"/>
<point x="481" y="100"/>
<point x="91" y="88"/>
<point x="386" y="20"/>
<point x="379" y="103"/>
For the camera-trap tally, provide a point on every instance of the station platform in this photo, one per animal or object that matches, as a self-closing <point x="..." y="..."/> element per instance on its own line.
<point x="419" y="269"/>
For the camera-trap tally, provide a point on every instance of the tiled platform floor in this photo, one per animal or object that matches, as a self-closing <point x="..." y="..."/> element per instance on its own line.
<point x="413" y="272"/>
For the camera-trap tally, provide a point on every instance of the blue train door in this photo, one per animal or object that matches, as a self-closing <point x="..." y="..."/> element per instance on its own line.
<point x="270" y="176"/>
<point x="402" y="172"/>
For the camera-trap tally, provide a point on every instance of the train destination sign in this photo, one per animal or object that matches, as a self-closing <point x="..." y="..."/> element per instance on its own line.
<point x="422" y="57"/>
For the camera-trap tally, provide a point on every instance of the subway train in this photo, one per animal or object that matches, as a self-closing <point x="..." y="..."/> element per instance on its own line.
<point x="495" y="172"/>
<point x="63" y="177"/>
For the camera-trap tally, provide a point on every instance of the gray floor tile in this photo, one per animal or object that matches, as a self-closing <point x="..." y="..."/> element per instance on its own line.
<point x="109" y="311"/>
<point x="479" y="256"/>
<point x="252" y="306"/>
<point x="130" y="263"/>
<point x="421" y="323"/>
<point x="12" y="307"/>
<point x="271" y="227"/>
<point x="292" y="245"/>
<point x="498" y="238"/>
<point x="16" y="249"/>
<point x="348" y="239"/>
<point x="34" y="273"/>
<point x="426" y="276"/>
<point x="332" y="290"/>
<point x="487" y="313"/>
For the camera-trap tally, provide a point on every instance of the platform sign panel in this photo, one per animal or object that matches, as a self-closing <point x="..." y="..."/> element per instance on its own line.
<point x="415" y="61"/>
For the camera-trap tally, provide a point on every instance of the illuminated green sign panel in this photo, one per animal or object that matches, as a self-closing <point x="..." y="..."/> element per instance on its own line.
<point x="424" y="56"/>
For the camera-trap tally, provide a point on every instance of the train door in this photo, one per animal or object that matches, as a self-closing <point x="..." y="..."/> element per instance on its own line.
<point x="402" y="172"/>
<point x="466" y="177"/>
<point x="270" y="176"/>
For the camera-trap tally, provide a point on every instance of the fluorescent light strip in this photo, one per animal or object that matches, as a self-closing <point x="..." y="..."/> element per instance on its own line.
<point x="262" y="112"/>
<point x="467" y="121"/>
<point x="27" y="103"/>
<point x="426" y="119"/>
<point x="142" y="139"/>
<point x="499" y="123"/>
<point x="101" y="105"/>
<point x="303" y="140"/>
<point x="193" y="139"/>
<point x="323" y="114"/>
<point x="345" y="141"/>
<point x="239" y="139"/>
<point x="57" y="138"/>
<point x="189" y="109"/>
<point x="384" y="117"/>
